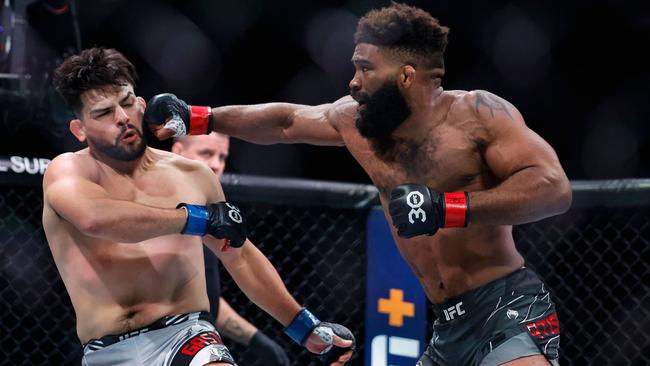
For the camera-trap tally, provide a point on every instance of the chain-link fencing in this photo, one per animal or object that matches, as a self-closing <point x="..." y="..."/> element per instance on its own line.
<point x="594" y="258"/>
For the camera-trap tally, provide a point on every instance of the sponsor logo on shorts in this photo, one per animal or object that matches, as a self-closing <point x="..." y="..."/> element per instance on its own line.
<point x="221" y="353"/>
<point x="197" y="343"/>
<point x="454" y="311"/>
<point x="545" y="328"/>
<point x="512" y="314"/>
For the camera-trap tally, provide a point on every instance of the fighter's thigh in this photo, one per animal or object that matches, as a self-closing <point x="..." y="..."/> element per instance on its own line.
<point x="217" y="364"/>
<point x="536" y="360"/>
<point x="426" y="359"/>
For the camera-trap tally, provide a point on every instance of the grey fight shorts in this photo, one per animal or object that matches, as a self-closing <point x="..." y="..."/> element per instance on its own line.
<point x="509" y="318"/>
<point x="177" y="340"/>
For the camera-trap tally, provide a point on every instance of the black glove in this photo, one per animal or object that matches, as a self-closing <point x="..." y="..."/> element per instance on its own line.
<point x="221" y="220"/>
<point x="418" y="210"/>
<point x="264" y="348"/>
<point x="335" y="352"/>
<point x="166" y="110"/>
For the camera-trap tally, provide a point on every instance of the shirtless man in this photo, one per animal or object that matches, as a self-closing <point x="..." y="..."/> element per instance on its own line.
<point x="417" y="141"/>
<point x="213" y="150"/>
<point x="125" y="224"/>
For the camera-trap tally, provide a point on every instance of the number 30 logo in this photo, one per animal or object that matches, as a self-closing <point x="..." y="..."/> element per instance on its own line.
<point x="415" y="199"/>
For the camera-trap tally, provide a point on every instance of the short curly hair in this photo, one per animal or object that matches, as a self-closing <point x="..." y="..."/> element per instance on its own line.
<point x="93" y="68"/>
<point x="412" y="33"/>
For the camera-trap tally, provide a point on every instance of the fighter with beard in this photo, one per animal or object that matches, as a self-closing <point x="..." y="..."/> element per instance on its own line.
<point x="455" y="170"/>
<point x="125" y="224"/>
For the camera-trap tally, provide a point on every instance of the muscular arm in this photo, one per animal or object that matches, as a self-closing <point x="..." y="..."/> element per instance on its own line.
<point x="533" y="184"/>
<point x="257" y="278"/>
<point x="70" y="192"/>
<point x="232" y="325"/>
<point x="284" y="123"/>
<point x="250" y="269"/>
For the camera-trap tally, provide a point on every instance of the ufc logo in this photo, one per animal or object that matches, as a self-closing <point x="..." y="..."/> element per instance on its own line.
<point x="234" y="213"/>
<point x="415" y="199"/>
<point x="454" y="311"/>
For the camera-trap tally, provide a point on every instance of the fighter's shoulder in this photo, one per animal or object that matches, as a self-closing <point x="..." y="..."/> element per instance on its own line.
<point x="481" y="105"/>
<point x="71" y="164"/>
<point x="180" y="163"/>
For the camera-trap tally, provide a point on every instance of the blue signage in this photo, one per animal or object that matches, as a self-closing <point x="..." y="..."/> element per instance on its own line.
<point x="396" y="318"/>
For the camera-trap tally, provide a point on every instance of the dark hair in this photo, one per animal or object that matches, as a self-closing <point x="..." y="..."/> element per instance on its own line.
<point x="409" y="31"/>
<point x="93" y="68"/>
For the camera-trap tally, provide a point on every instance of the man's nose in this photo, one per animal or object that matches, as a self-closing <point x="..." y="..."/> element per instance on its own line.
<point x="217" y="167"/>
<point x="120" y="116"/>
<point x="355" y="84"/>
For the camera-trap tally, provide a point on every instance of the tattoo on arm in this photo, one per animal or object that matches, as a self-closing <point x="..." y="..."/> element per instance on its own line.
<point x="234" y="331"/>
<point x="492" y="102"/>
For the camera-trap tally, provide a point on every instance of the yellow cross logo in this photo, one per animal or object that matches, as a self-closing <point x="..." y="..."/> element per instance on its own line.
<point x="396" y="308"/>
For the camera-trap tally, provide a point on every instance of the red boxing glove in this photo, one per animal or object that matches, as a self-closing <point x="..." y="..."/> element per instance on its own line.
<point x="418" y="210"/>
<point x="168" y="111"/>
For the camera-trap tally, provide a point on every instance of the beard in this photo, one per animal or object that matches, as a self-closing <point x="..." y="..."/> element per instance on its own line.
<point x="382" y="112"/>
<point x="121" y="152"/>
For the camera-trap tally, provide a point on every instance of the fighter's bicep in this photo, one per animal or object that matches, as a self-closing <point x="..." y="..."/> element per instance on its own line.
<point x="514" y="148"/>
<point x="319" y="124"/>
<point x="510" y="146"/>
<point x="72" y="197"/>
<point x="212" y="186"/>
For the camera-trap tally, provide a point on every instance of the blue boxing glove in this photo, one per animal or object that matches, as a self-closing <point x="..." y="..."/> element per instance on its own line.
<point x="222" y="220"/>
<point x="322" y="338"/>
<point x="418" y="210"/>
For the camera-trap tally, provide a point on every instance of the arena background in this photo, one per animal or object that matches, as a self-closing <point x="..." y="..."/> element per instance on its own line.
<point x="576" y="70"/>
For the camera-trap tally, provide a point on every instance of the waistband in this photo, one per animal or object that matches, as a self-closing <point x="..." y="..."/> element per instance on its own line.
<point x="470" y="300"/>
<point x="166" y="321"/>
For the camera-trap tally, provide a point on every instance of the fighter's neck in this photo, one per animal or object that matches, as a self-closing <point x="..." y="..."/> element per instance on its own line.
<point x="425" y="114"/>
<point x="130" y="168"/>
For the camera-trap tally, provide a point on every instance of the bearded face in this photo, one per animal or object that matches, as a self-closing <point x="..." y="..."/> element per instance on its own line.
<point x="129" y="145"/>
<point x="382" y="112"/>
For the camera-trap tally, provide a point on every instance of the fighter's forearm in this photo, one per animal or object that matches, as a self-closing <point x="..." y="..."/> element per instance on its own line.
<point x="127" y="222"/>
<point x="259" y="280"/>
<point x="526" y="196"/>
<point x="232" y="325"/>
<point x="260" y="123"/>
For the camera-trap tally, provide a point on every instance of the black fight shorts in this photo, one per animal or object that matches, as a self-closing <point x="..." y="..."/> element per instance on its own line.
<point x="506" y="319"/>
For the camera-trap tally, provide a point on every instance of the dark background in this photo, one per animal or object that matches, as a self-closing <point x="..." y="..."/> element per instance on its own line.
<point x="578" y="70"/>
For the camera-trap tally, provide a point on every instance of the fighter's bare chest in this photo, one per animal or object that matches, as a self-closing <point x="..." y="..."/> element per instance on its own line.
<point x="445" y="160"/>
<point x="156" y="189"/>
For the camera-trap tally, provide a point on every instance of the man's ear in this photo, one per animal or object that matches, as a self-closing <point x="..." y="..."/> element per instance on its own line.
<point x="141" y="102"/>
<point x="177" y="148"/>
<point x="77" y="129"/>
<point x="406" y="76"/>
